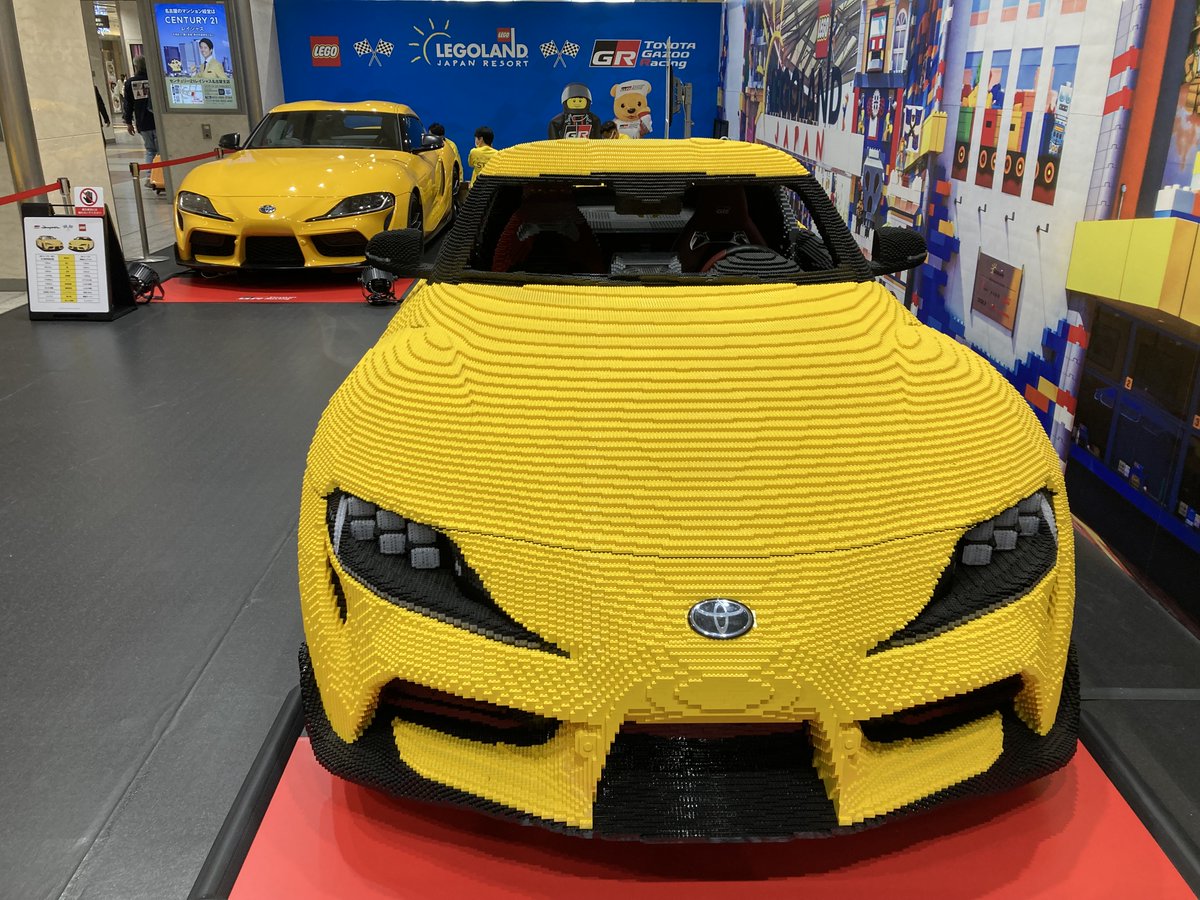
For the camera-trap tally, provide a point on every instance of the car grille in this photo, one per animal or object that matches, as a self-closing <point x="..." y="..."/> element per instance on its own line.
<point x="209" y="243"/>
<point x="689" y="785"/>
<point x="273" y="251"/>
<point x="343" y="243"/>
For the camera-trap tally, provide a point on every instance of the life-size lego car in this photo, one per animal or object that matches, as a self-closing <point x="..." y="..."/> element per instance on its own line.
<point x="81" y="244"/>
<point x="312" y="184"/>
<point x="654" y="515"/>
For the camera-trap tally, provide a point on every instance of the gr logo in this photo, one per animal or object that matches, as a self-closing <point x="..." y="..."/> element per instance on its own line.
<point x="622" y="54"/>
<point x="326" y="50"/>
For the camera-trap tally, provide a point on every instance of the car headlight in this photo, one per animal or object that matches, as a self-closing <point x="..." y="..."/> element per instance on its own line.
<point x="360" y="205"/>
<point x="995" y="563"/>
<point x="199" y="205"/>
<point x="418" y="567"/>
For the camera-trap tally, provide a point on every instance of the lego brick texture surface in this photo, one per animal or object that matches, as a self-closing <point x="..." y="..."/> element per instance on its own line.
<point x="593" y="461"/>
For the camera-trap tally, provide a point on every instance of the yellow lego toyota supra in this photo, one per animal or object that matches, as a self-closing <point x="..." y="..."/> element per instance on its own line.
<point x="312" y="184"/>
<point x="652" y="515"/>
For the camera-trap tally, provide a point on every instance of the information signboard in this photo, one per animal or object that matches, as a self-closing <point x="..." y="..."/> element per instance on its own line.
<point x="196" y="59"/>
<point x="66" y="265"/>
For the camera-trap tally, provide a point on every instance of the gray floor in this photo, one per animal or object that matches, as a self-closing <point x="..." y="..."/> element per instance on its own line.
<point x="151" y="469"/>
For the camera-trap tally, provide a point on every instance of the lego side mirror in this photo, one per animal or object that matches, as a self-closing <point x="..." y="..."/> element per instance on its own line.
<point x="895" y="250"/>
<point x="398" y="252"/>
<point x="231" y="141"/>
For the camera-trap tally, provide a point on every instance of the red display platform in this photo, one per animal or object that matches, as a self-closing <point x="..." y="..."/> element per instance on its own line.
<point x="1070" y="835"/>
<point x="192" y="289"/>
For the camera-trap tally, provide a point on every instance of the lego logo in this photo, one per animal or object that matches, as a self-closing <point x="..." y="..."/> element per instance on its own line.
<point x="326" y="50"/>
<point x="503" y="35"/>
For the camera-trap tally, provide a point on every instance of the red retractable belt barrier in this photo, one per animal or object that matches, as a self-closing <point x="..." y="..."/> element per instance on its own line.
<point x="165" y="163"/>
<point x="32" y="192"/>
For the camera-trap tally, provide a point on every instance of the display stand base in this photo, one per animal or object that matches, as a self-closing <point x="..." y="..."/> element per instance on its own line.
<point x="1068" y="835"/>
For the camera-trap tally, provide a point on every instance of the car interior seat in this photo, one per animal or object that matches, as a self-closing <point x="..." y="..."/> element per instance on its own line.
<point x="548" y="234"/>
<point x="721" y="221"/>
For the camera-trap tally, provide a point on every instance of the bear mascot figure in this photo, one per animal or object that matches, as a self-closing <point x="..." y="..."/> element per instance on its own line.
<point x="631" y="109"/>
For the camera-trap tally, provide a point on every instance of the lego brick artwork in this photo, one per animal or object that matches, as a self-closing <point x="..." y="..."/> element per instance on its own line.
<point x="683" y="556"/>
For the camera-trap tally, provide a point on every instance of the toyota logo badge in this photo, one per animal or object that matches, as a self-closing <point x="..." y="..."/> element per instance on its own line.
<point x="720" y="619"/>
<point x="268" y="209"/>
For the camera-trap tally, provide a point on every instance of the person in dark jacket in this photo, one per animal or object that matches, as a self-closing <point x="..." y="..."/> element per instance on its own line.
<point x="138" y="112"/>
<point x="101" y="107"/>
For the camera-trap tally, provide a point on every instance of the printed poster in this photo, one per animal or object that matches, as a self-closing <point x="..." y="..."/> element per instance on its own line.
<point x="196" y="60"/>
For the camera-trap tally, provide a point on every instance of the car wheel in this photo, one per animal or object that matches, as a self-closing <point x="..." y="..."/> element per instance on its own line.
<point x="416" y="219"/>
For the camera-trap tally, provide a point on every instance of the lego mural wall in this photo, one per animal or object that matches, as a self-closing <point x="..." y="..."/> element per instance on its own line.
<point x="1049" y="152"/>
<point x="983" y="124"/>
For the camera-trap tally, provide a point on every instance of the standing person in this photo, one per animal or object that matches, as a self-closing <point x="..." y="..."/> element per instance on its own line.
<point x="483" y="151"/>
<point x="138" y="113"/>
<point x="104" y="119"/>
<point x="439" y="130"/>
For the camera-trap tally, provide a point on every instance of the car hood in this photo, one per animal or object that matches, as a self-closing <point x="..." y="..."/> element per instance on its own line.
<point x="297" y="173"/>
<point x="729" y="421"/>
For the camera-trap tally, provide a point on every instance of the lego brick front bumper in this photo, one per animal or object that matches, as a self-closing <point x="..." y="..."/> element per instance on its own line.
<point x="634" y="685"/>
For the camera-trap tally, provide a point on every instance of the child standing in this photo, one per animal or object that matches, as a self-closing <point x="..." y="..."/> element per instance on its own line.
<point x="478" y="158"/>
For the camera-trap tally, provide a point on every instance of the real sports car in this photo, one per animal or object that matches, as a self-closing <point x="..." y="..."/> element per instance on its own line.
<point x="312" y="184"/>
<point x="653" y="515"/>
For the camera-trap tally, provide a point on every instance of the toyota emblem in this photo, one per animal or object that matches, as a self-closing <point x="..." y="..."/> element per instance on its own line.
<point x="268" y="209"/>
<point x="720" y="619"/>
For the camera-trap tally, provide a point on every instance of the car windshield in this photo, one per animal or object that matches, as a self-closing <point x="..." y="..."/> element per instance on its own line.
<point x="663" y="230"/>
<point x="328" y="128"/>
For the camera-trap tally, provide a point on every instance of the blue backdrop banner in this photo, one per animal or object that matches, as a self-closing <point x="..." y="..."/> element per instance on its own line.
<point x="505" y="65"/>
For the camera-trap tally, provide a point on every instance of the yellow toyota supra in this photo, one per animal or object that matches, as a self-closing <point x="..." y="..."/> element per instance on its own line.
<point x="312" y="184"/>
<point x="653" y="515"/>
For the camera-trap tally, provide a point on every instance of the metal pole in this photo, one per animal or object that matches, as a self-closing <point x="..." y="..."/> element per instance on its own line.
<point x="64" y="188"/>
<point x="248" y="57"/>
<point x="141" y="214"/>
<point x="16" y="115"/>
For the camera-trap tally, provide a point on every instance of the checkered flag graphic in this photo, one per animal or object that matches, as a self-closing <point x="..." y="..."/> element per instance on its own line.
<point x="385" y="47"/>
<point x="569" y="48"/>
<point x="362" y="48"/>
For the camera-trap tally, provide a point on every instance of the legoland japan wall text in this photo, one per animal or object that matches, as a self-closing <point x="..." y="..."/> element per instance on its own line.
<point x="499" y="64"/>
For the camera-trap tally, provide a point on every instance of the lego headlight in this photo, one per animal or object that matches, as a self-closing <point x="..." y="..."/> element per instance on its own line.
<point x="198" y="205"/>
<point x="418" y="567"/>
<point x="995" y="563"/>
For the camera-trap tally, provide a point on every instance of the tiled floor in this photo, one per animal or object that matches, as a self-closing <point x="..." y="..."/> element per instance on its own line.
<point x="128" y="148"/>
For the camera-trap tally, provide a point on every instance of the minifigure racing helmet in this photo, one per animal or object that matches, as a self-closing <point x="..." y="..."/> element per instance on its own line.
<point x="576" y="90"/>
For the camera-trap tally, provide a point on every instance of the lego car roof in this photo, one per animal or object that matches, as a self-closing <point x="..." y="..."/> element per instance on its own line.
<point x="376" y="106"/>
<point x="708" y="156"/>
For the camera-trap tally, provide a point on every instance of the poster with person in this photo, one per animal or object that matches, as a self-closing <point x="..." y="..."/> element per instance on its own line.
<point x="196" y="57"/>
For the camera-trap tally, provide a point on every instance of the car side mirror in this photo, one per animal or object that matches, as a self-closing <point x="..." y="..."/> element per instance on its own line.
<point x="231" y="141"/>
<point x="398" y="251"/>
<point x="896" y="250"/>
<point x="432" y="142"/>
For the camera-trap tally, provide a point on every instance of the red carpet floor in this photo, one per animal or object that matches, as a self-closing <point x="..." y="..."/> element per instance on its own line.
<point x="1068" y="836"/>
<point x="299" y="289"/>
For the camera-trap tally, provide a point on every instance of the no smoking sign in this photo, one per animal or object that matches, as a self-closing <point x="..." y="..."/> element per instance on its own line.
<point x="89" y="201"/>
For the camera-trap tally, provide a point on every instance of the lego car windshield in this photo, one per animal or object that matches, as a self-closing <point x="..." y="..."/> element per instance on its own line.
<point x="666" y="230"/>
